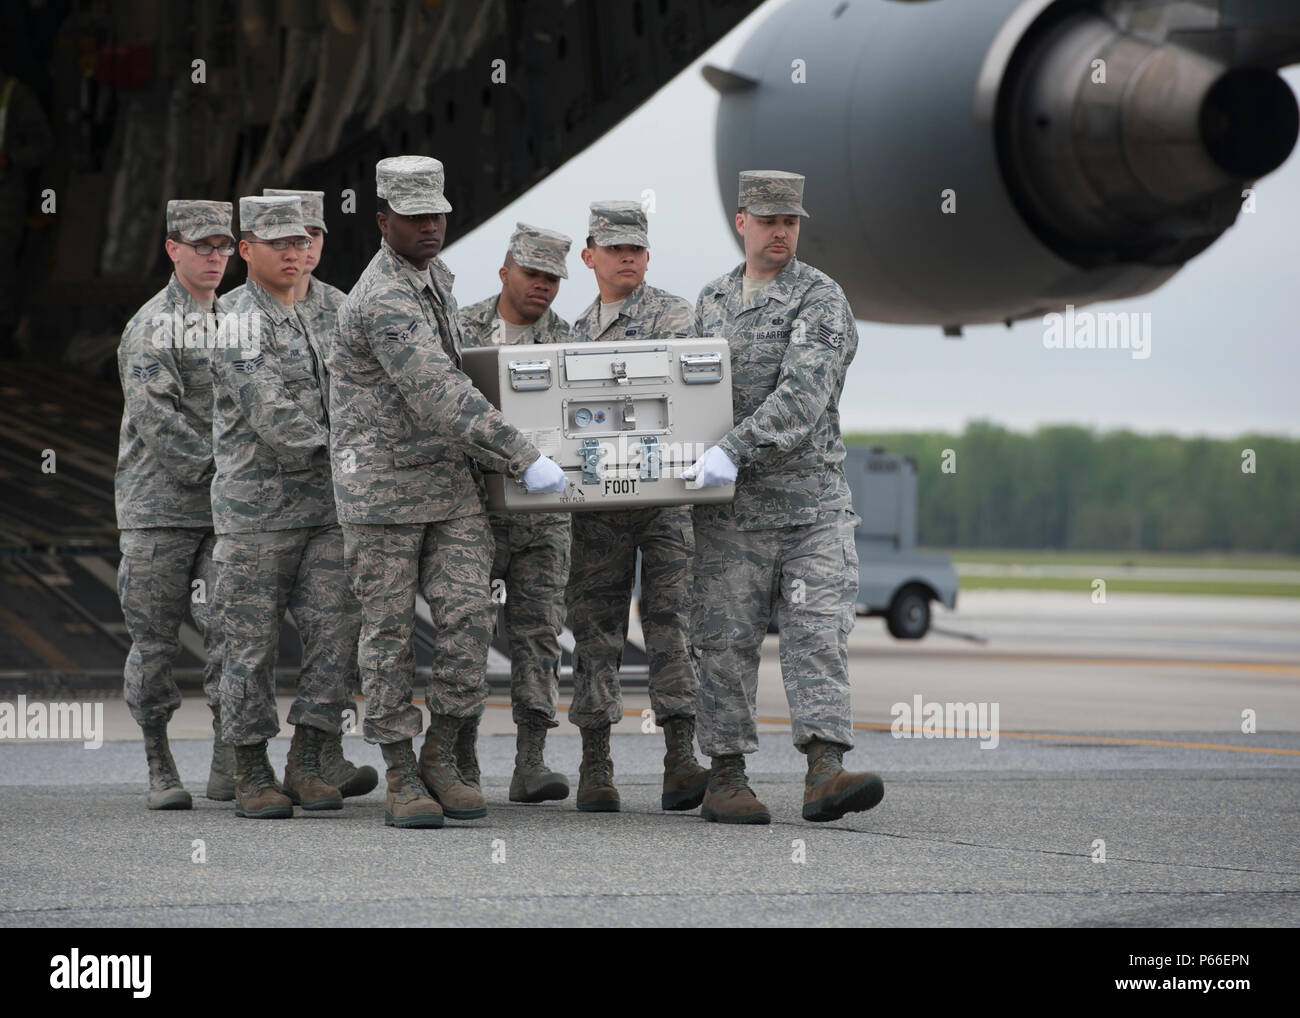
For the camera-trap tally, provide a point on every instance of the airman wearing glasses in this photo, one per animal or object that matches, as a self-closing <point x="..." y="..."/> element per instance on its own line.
<point x="279" y="545"/>
<point x="164" y="473"/>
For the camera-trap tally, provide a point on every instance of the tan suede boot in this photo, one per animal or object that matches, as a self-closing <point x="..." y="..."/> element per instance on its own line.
<point x="165" y="788"/>
<point x="532" y="780"/>
<point x="459" y="800"/>
<point x="257" y="795"/>
<point x="409" y="804"/>
<point x="467" y="753"/>
<point x="303" y="782"/>
<point x="596" y="791"/>
<point x="342" y="773"/>
<point x="829" y="791"/>
<point x="684" y="779"/>
<point x="729" y="799"/>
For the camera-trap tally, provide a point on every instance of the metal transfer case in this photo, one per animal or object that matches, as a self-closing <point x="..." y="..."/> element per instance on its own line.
<point x="622" y="419"/>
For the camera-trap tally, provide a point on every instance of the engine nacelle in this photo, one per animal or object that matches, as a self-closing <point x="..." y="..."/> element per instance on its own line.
<point x="974" y="162"/>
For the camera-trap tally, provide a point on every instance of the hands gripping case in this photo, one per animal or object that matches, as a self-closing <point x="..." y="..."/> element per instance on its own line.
<point x="622" y="419"/>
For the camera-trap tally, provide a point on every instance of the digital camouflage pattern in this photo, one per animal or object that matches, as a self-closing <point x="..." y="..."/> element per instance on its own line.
<point x="618" y="222"/>
<point x="156" y="582"/>
<point x="403" y="415"/>
<point x="320" y="310"/>
<point x="810" y="575"/>
<point x="313" y="204"/>
<point x="791" y="346"/>
<point x="604" y="559"/>
<point x="270" y="218"/>
<point x="543" y="250"/>
<point x="771" y="193"/>
<point x="164" y="452"/>
<point x="531" y="564"/>
<point x="412" y="185"/>
<point x="196" y="219"/>
<point x="448" y="563"/>
<point x="270" y="427"/>
<point x="787" y="538"/>
<point x="259" y="576"/>
<point x="531" y="557"/>
<point x="599" y="596"/>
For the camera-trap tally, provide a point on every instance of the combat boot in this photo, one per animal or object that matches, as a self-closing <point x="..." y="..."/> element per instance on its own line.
<point x="165" y="788"/>
<point x="257" y="795"/>
<point x="409" y="803"/>
<point x="221" y="775"/>
<point x="303" y="782"/>
<point x="729" y="799"/>
<point x="829" y="791"/>
<point x="596" y="791"/>
<point x="342" y="773"/>
<point x="467" y="753"/>
<point x="533" y="781"/>
<point x="438" y="769"/>
<point x="684" y="779"/>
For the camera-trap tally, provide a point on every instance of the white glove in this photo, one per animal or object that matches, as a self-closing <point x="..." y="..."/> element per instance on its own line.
<point x="712" y="470"/>
<point x="545" y="477"/>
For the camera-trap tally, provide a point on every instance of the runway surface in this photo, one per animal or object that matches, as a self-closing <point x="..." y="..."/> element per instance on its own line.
<point x="1118" y="723"/>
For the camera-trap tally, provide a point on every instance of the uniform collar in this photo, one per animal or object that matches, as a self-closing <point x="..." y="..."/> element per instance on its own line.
<point x="272" y="308"/>
<point x="631" y="306"/>
<point x="437" y="278"/>
<point x="780" y="288"/>
<point x="178" y="295"/>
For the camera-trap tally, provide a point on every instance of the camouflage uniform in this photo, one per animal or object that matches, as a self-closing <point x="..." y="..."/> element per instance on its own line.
<point x="605" y="544"/>
<point x="164" y="472"/>
<point x="532" y="549"/>
<point x="787" y="539"/>
<point x="320" y="307"/>
<point x="404" y="421"/>
<point x="279" y="544"/>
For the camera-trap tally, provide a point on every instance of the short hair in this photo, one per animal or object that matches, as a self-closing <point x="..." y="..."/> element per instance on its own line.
<point x="590" y="241"/>
<point x="247" y="235"/>
<point x="509" y="260"/>
<point x="175" y="235"/>
<point x="383" y="206"/>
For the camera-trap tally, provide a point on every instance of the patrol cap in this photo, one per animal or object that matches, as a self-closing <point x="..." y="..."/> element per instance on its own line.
<point x="771" y="193"/>
<point x="194" y="218"/>
<point x="618" y="222"/>
<point x="313" y="204"/>
<point x="272" y="217"/>
<point x="544" y="250"/>
<point x="412" y="185"/>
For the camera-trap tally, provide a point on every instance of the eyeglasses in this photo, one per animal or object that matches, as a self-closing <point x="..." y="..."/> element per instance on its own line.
<point x="203" y="250"/>
<point x="301" y="243"/>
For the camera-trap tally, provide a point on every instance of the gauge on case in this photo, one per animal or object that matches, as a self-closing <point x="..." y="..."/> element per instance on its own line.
<point x="582" y="417"/>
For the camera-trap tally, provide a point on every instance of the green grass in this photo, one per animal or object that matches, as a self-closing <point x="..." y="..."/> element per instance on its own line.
<point x="1190" y="560"/>
<point x="1123" y="586"/>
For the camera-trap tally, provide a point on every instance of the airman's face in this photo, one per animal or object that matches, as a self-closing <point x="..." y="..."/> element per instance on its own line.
<point x="271" y="268"/>
<point x="770" y="241"/>
<point x="529" y="291"/>
<point x="311" y="257"/>
<point x="418" y="239"/>
<point x="196" y="271"/>
<point x="619" y="268"/>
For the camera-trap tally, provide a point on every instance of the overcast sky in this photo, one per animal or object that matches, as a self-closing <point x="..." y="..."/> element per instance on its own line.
<point x="1223" y="360"/>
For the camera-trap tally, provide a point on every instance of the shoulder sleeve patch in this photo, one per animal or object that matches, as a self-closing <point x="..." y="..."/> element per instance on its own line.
<point x="826" y="334"/>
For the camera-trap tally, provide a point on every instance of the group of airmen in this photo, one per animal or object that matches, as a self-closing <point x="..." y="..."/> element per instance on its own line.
<point x="330" y="465"/>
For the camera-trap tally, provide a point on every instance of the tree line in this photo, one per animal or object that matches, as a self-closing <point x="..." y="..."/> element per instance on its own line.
<point x="1069" y="487"/>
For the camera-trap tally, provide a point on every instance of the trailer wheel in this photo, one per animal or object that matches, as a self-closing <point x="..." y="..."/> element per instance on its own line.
<point x="909" y="614"/>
